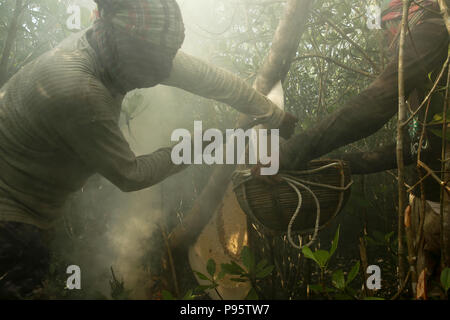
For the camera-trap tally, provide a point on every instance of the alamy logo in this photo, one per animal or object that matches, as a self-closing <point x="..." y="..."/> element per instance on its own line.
<point x="188" y="151"/>
<point x="74" y="280"/>
<point x="373" y="17"/>
<point x="374" y="280"/>
<point x="74" y="20"/>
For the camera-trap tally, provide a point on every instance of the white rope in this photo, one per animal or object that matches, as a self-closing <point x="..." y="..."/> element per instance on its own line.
<point x="292" y="183"/>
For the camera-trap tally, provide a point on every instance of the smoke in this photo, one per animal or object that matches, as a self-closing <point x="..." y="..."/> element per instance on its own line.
<point x="165" y="112"/>
<point x="138" y="220"/>
<point x="131" y="219"/>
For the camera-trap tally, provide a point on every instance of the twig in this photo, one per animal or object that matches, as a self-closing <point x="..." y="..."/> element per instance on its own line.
<point x="444" y="13"/>
<point x="336" y="62"/>
<point x="426" y="8"/>
<point x="3" y="276"/>
<point x="171" y="263"/>
<point x="438" y="79"/>
<point x="364" y="263"/>
<point x="402" y="287"/>
<point x="400" y="138"/>
<point x="418" y="183"/>
<point x="117" y="287"/>
<point x="422" y="135"/>
<point x="419" y="237"/>
<point x="432" y="174"/>
<point x="412" y="257"/>
<point x="345" y="36"/>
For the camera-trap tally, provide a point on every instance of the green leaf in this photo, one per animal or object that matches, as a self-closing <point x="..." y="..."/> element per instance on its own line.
<point x="316" y="287"/>
<point x="353" y="273"/>
<point x="372" y="242"/>
<point x="202" y="289"/>
<point x="388" y="236"/>
<point x="309" y="254"/>
<point x="211" y="267"/>
<point x="232" y="268"/>
<point x="189" y="295"/>
<point x="201" y="275"/>
<point x="436" y="125"/>
<point x="322" y="257"/>
<point x="379" y="236"/>
<point x="342" y="296"/>
<point x="439" y="118"/>
<point x="252" y="295"/>
<point x="351" y="292"/>
<point x="319" y="289"/>
<point x="238" y="280"/>
<point x="167" y="295"/>
<point x="335" y="242"/>
<point x="248" y="259"/>
<point x="445" y="279"/>
<point x="338" y="279"/>
<point x="373" y="298"/>
<point x="264" y="272"/>
<point x="362" y="202"/>
<point x="438" y="132"/>
<point x="221" y="275"/>
<point x="261" y="265"/>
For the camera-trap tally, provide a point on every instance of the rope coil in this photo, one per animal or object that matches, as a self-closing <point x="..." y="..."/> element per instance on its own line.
<point x="295" y="183"/>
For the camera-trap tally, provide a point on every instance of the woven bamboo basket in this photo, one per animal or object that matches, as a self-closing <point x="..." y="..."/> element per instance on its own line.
<point x="273" y="206"/>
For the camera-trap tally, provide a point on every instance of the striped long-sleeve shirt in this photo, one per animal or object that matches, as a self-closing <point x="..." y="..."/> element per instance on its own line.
<point x="59" y="125"/>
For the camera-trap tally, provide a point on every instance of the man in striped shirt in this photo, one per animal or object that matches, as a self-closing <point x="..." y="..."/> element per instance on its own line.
<point x="59" y="122"/>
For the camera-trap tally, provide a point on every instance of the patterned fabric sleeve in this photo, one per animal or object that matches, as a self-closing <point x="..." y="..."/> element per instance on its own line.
<point x="195" y="76"/>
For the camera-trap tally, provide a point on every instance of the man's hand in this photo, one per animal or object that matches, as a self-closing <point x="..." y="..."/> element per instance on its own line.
<point x="287" y="126"/>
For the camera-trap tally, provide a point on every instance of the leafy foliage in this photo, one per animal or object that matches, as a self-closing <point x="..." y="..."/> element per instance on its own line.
<point x="445" y="279"/>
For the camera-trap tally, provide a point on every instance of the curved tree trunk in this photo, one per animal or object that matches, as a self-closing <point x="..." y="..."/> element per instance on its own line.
<point x="274" y="69"/>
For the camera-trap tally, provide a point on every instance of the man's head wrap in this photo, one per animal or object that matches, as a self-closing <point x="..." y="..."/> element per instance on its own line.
<point x="392" y="13"/>
<point x="137" y="40"/>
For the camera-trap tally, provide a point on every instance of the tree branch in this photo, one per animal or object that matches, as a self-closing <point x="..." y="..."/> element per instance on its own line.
<point x="336" y="62"/>
<point x="400" y="138"/>
<point x="345" y="36"/>
<point x="285" y="44"/>
<point x="444" y="12"/>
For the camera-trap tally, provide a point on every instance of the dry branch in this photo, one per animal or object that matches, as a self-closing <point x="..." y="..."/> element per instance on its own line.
<point x="400" y="138"/>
